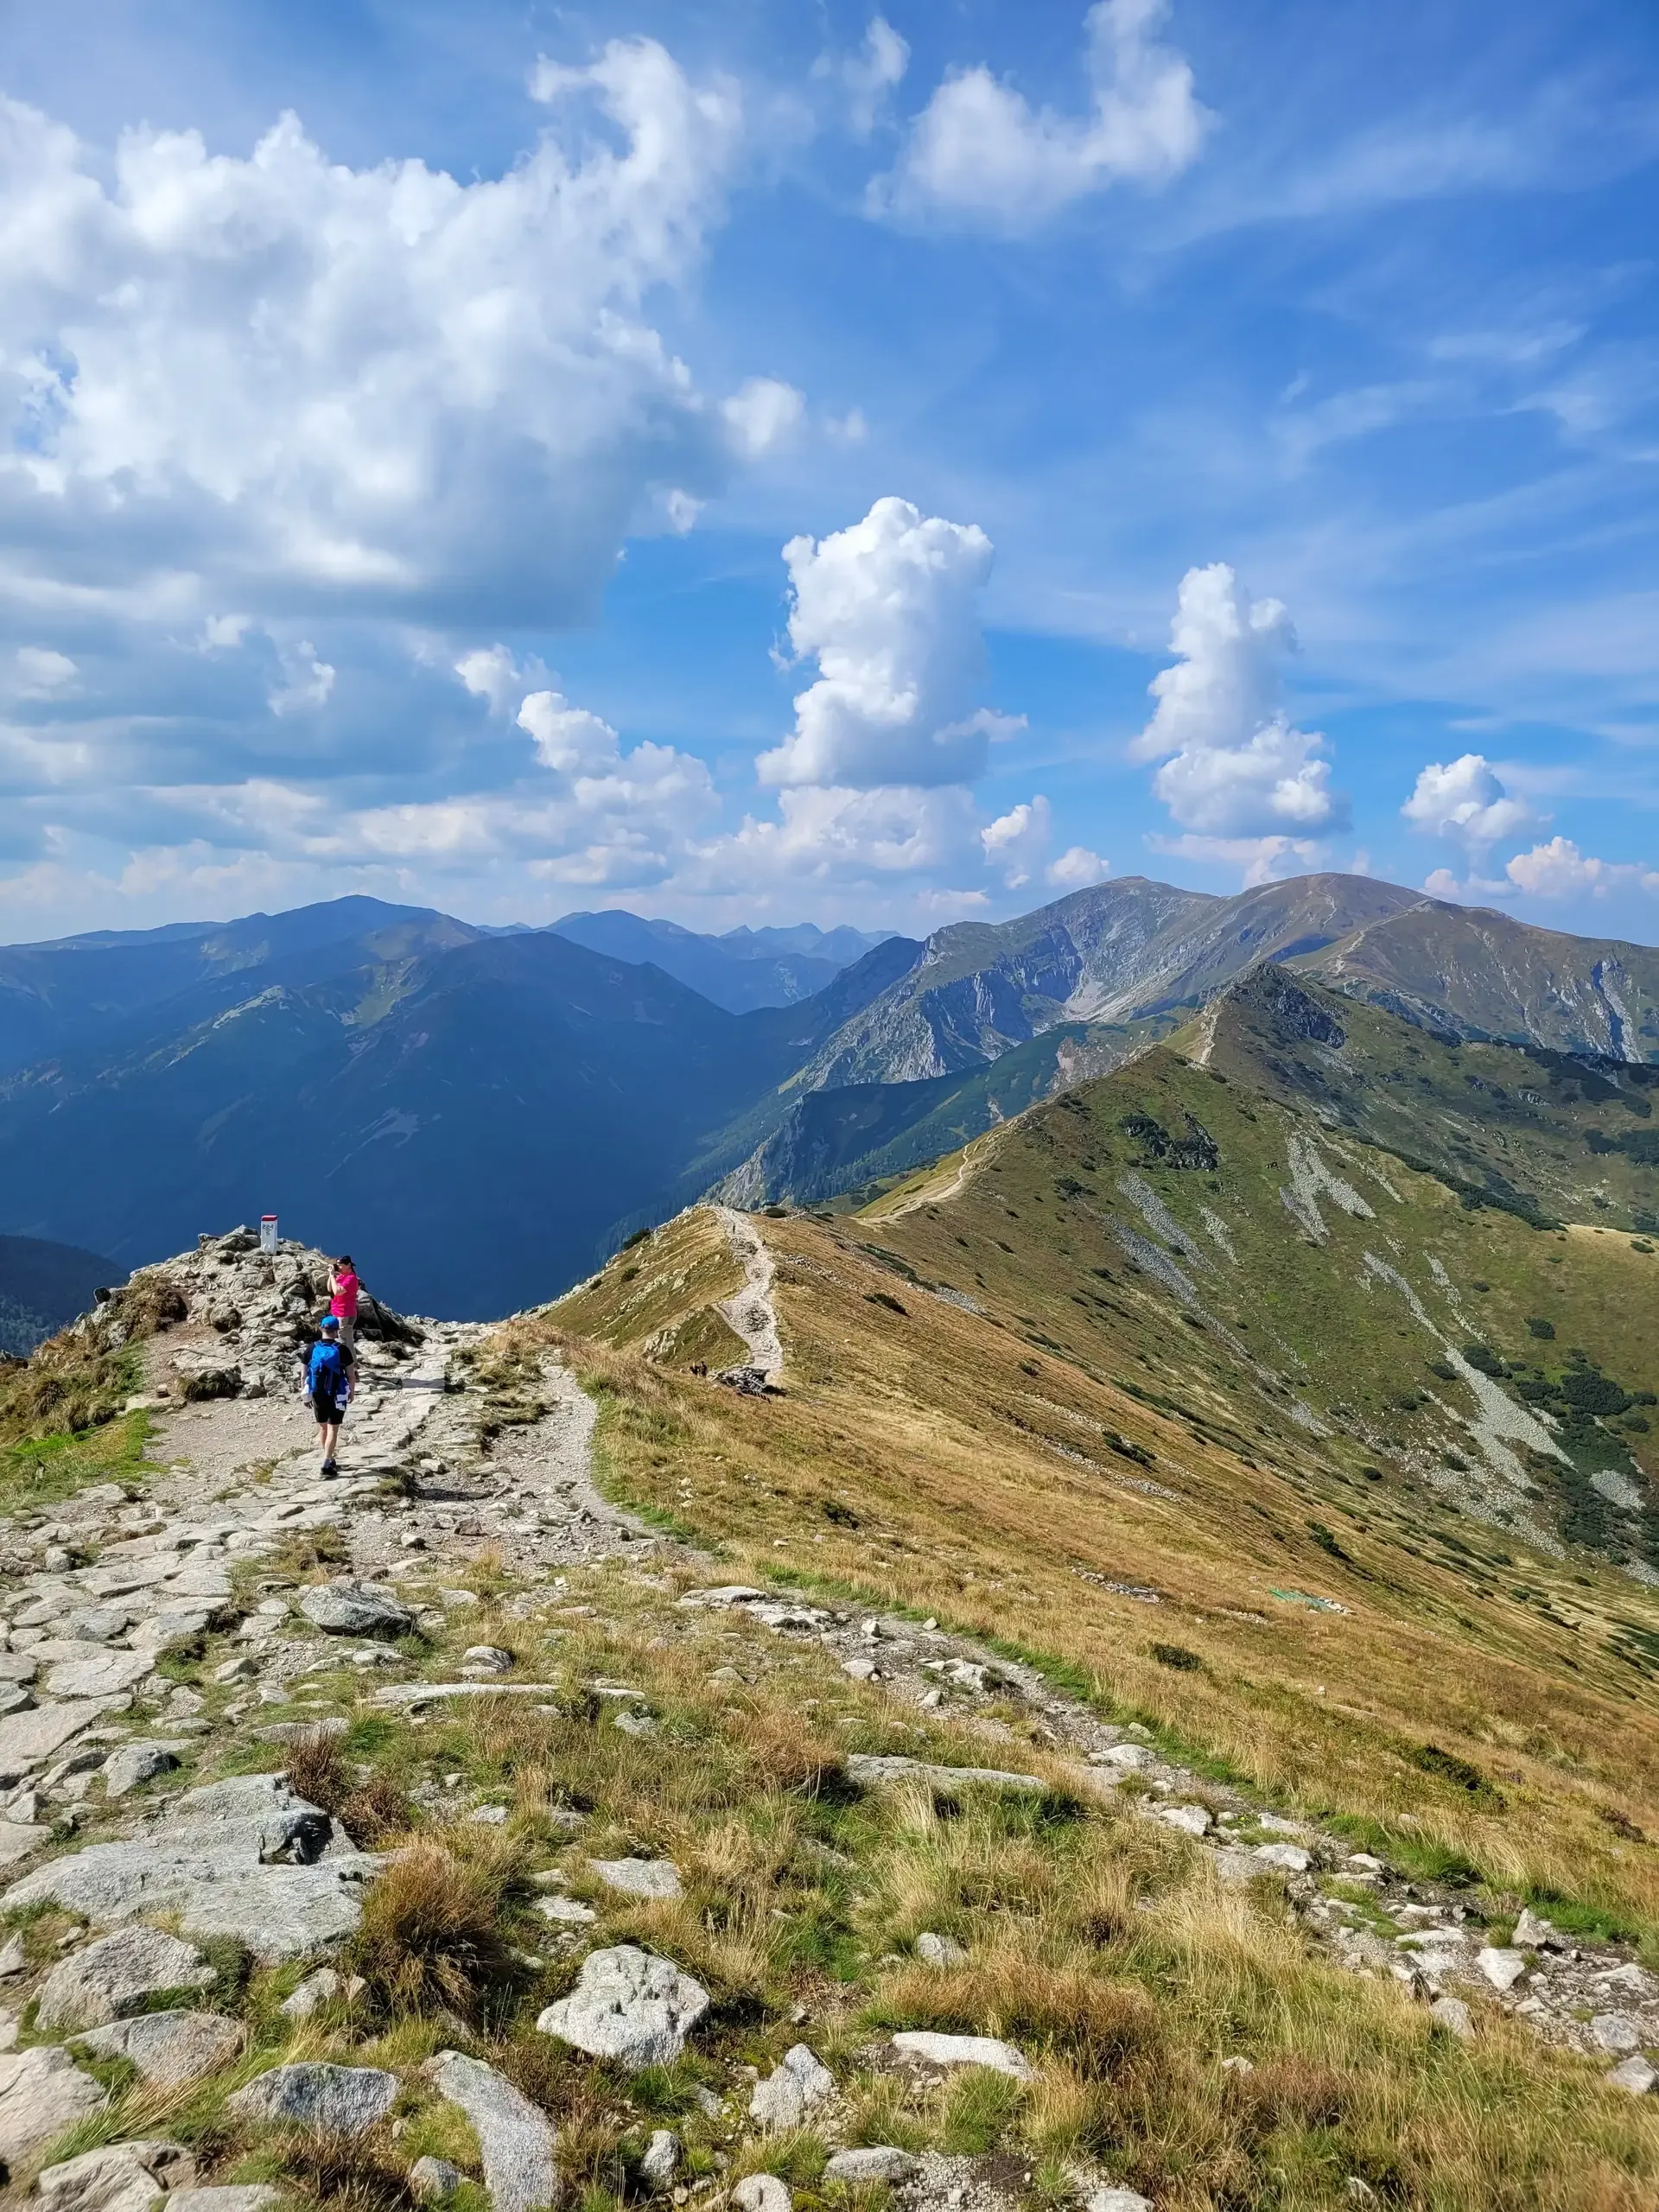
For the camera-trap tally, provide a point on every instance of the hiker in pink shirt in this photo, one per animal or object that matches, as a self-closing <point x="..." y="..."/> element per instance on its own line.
<point x="343" y="1290"/>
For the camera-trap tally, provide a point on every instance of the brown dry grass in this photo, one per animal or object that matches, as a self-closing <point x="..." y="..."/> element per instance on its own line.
<point x="371" y="1808"/>
<point x="431" y="1937"/>
<point x="924" y="1439"/>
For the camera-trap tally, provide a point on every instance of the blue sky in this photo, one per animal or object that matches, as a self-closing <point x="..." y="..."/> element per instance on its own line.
<point x="397" y="498"/>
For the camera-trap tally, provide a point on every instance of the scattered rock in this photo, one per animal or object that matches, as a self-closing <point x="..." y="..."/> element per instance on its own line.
<point x="1454" y="2017"/>
<point x="629" y="2006"/>
<point x="640" y="1877"/>
<point x="18" y="1838"/>
<point x="660" y="2160"/>
<point x="134" y="1764"/>
<point x="872" y="1769"/>
<point x="117" y="1975"/>
<point x="1117" y="2200"/>
<point x="962" y="2051"/>
<point x="356" y="1609"/>
<point x="336" y="2100"/>
<point x="244" y="2196"/>
<point x="939" y="1950"/>
<point x="1503" y="1968"/>
<point x="13" y="1959"/>
<point x="43" y="2092"/>
<point x="515" y="2137"/>
<point x="761" y="2192"/>
<point x="875" y="2162"/>
<point x="1289" y="1856"/>
<point x="1616" y="2033"/>
<point x="122" y="2177"/>
<point x="433" y="2179"/>
<point x="1634" y="2076"/>
<point x="566" y="1911"/>
<point x="168" y="2048"/>
<point x="1130" y="1756"/>
<point x="799" y="2082"/>
<point x="488" y="1658"/>
<point x="1194" y="1819"/>
<point x="319" y="1988"/>
<point x="724" y="1598"/>
<point x="1532" y="1933"/>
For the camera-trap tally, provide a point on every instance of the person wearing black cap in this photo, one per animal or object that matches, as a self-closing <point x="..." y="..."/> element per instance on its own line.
<point x="330" y="1377"/>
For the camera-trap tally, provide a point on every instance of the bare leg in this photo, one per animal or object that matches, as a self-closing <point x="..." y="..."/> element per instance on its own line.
<point x="330" y="1442"/>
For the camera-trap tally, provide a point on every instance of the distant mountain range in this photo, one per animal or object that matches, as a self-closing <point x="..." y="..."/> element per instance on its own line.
<point x="742" y="969"/>
<point x="480" y="1116"/>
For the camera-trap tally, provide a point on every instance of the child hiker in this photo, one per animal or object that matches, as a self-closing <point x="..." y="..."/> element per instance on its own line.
<point x="330" y="1377"/>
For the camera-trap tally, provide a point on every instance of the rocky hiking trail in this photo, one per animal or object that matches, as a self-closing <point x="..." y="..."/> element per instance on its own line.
<point x="141" y="1854"/>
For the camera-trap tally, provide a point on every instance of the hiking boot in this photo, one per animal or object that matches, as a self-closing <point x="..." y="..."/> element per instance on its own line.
<point x="330" y="1469"/>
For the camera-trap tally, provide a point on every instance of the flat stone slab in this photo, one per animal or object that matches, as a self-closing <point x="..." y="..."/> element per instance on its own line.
<point x="168" y="2048"/>
<point x="653" y="1878"/>
<point x="334" y="2100"/>
<point x="630" y="2006"/>
<point x="43" y="2092"/>
<point x="19" y="1838"/>
<point x="120" y="2177"/>
<point x="873" y="1769"/>
<point x="102" y="1672"/>
<point x="232" y="1858"/>
<point x="962" y="2051"/>
<point x="515" y="2137"/>
<point x="29" y="1739"/>
<point x="117" y="1975"/>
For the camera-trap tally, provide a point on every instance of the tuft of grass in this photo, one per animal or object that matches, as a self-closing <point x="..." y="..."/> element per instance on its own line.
<point x="431" y="1937"/>
<point x="372" y="1808"/>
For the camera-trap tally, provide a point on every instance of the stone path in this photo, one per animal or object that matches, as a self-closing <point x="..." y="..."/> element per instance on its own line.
<point x="752" y="1312"/>
<point x="94" y="1593"/>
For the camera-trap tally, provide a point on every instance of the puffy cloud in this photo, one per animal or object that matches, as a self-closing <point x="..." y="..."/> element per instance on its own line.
<point x="383" y="386"/>
<point x="1463" y="798"/>
<point x="1560" y="870"/>
<point x="1262" y="860"/>
<point x="889" y="609"/>
<point x="568" y="738"/>
<point x="1077" y="869"/>
<point x="40" y="673"/>
<point x="763" y="414"/>
<point x="306" y="681"/>
<point x="828" y="837"/>
<point x="866" y="78"/>
<point x="980" y="153"/>
<point x="1016" y="841"/>
<point x="1237" y="769"/>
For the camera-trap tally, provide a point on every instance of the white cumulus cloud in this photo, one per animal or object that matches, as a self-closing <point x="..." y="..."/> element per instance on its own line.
<point x="1560" y="870"/>
<point x="867" y="77"/>
<point x="889" y="608"/>
<point x="763" y="414"/>
<point x="383" y="384"/>
<point x="1464" y="799"/>
<point x="1236" y="773"/>
<point x="979" y="152"/>
<point x="306" y="681"/>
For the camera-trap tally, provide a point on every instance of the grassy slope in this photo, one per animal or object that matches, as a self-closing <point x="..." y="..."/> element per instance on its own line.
<point x="1559" y="1137"/>
<point x="970" y="1465"/>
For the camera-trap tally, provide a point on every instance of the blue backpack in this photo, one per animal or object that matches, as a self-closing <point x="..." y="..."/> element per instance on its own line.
<point x="325" y="1372"/>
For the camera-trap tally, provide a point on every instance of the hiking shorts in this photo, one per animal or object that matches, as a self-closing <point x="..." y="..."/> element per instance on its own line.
<point x="329" y="1412"/>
